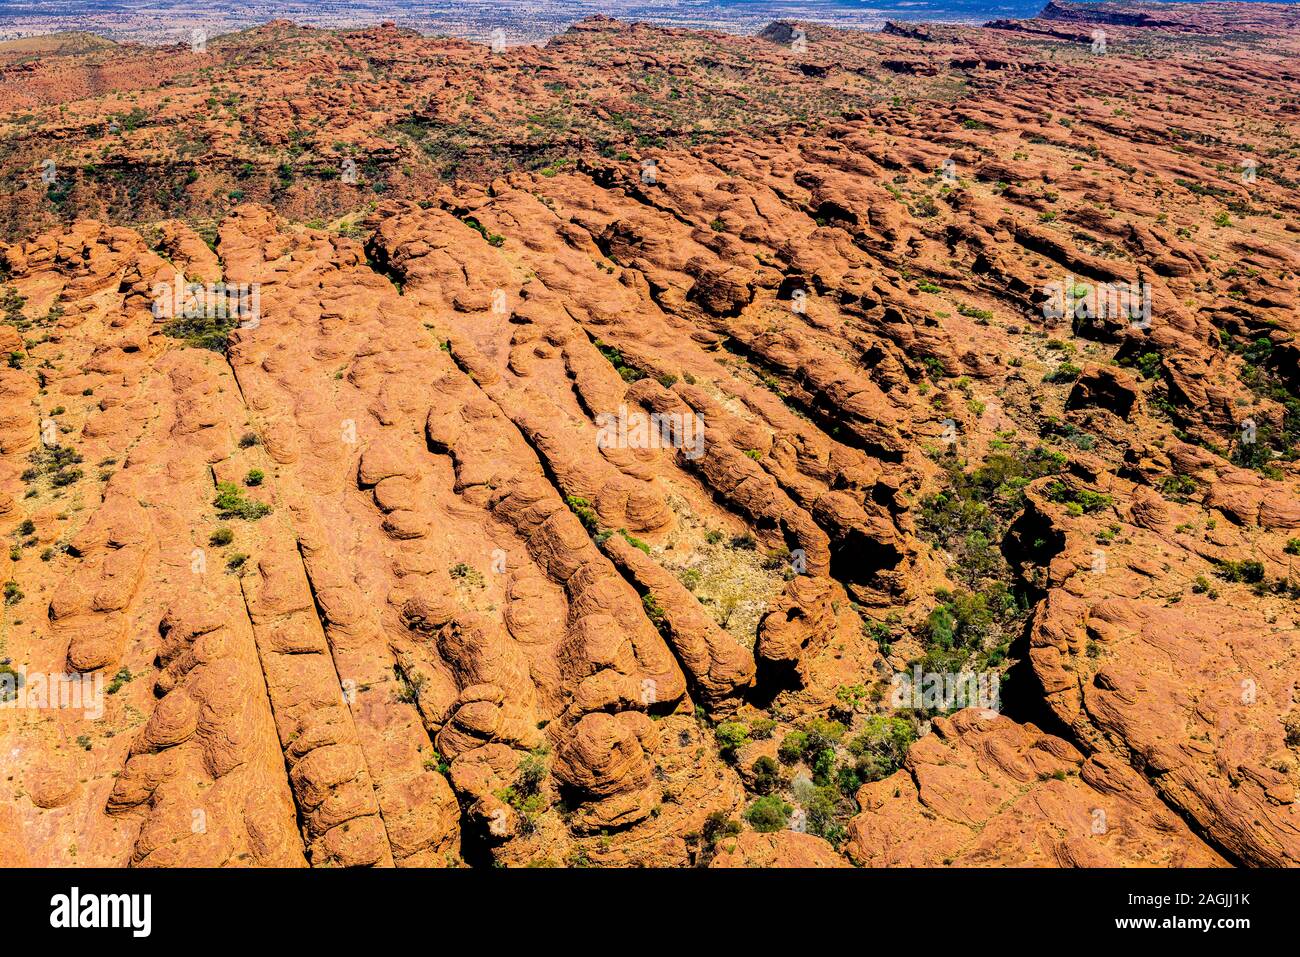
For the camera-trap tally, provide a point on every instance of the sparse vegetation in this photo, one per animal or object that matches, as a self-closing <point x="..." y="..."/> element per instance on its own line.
<point x="769" y="813"/>
<point x="56" y="463"/>
<point x="230" y="503"/>
<point x="466" y="574"/>
<point x="1078" y="501"/>
<point x="493" y="239"/>
<point x="1248" y="571"/>
<point x="628" y="372"/>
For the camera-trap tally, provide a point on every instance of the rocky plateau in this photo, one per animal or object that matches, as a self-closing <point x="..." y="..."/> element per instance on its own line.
<point x="979" y="350"/>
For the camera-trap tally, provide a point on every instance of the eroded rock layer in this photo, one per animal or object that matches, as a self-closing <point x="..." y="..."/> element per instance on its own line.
<point x="575" y="495"/>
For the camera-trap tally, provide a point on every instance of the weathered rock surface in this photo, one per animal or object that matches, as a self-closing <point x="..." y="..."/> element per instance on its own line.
<point x="983" y="791"/>
<point x="534" y="494"/>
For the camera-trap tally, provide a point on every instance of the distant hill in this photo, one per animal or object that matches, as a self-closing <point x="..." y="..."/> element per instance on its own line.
<point x="930" y="10"/>
<point x="56" y="44"/>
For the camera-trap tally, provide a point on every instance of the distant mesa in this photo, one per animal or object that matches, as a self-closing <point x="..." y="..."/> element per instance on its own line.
<point x="57" y="44"/>
<point x="1101" y="13"/>
<point x="913" y="31"/>
<point x="597" y="23"/>
<point x="782" y="31"/>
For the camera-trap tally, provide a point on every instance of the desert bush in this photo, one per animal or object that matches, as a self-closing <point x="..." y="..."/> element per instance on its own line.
<point x="768" y="814"/>
<point x="230" y="503"/>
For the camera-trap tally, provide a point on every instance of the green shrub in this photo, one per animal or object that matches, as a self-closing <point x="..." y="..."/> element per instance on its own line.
<point x="1248" y="571"/>
<point x="634" y="541"/>
<point x="121" y="678"/>
<point x="768" y="814"/>
<point x="230" y="503"/>
<point x="815" y="744"/>
<point x="792" y="747"/>
<point x="655" y="612"/>
<point x="879" y="749"/>
<point x="823" y="766"/>
<point x="820" y="734"/>
<point x="467" y="574"/>
<point x="409" y="687"/>
<point x="65" y="477"/>
<point x="221" y="537"/>
<point x="880" y="633"/>
<point x="822" y="812"/>
<point x="586" y="514"/>
<point x="767" y="774"/>
<point x="732" y="736"/>
<point x="1148" y="365"/>
<point x="1259" y="455"/>
<point x="967" y="620"/>
<point x="1179" y="487"/>
<point x="851" y="698"/>
<point x="628" y="372"/>
<point x="493" y="239"/>
<point x="1086" y="499"/>
<point x="1065" y="372"/>
<point x="202" y="331"/>
<point x="985" y="499"/>
<point x="717" y="826"/>
<point x="532" y="772"/>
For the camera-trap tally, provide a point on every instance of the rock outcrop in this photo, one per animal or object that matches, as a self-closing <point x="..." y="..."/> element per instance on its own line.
<point x="392" y="477"/>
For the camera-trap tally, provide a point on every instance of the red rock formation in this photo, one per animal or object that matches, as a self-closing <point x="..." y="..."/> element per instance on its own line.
<point x="555" y="503"/>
